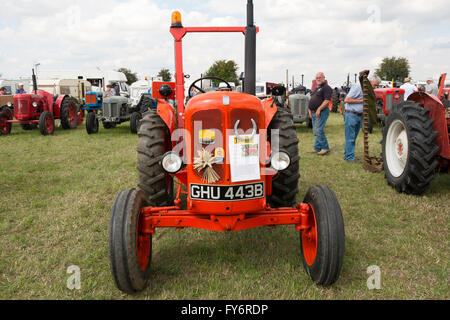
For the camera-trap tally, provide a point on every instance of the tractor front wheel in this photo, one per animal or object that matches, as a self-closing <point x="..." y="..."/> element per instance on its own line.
<point x="409" y="148"/>
<point x="46" y="123"/>
<point x="322" y="246"/>
<point x="130" y="249"/>
<point x="91" y="123"/>
<point x="5" y="126"/>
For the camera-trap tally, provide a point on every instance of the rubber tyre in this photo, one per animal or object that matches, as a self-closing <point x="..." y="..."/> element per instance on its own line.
<point x="134" y="122"/>
<point x="285" y="183"/>
<point x="28" y="127"/>
<point x="154" y="142"/>
<point x="124" y="243"/>
<point x="46" y="123"/>
<point x="325" y="267"/>
<point x="92" y="123"/>
<point x="145" y="105"/>
<point x="421" y="160"/>
<point x="5" y="128"/>
<point x="66" y="106"/>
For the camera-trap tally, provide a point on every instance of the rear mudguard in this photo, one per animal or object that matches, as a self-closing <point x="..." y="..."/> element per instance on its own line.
<point x="438" y="113"/>
<point x="57" y="106"/>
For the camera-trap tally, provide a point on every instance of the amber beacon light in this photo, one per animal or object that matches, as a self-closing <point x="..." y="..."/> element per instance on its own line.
<point x="176" y="19"/>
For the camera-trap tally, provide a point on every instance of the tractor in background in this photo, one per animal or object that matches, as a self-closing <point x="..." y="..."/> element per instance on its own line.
<point x="415" y="143"/>
<point x="237" y="157"/>
<point x="115" y="110"/>
<point x="41" y="108"/>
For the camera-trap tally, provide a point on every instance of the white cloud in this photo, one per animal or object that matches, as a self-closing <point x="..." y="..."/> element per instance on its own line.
<point x="336" y="37"/>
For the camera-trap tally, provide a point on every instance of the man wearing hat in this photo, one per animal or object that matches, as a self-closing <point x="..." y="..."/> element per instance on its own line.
<point x="20" y="90"/>
<point x="408" y="87"/>
<point x="431" y="87"/>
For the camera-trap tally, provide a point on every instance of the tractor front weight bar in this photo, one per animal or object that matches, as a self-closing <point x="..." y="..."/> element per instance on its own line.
<point x="172" y="217"/>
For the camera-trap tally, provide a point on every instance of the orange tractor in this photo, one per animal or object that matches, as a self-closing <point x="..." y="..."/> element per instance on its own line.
<point x="237" y="157"/>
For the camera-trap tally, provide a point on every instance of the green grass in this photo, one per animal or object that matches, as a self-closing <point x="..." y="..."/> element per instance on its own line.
<point x="57" y="192"/>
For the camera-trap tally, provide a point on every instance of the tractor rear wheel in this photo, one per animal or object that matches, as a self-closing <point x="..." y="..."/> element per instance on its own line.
<point x="92" y="123"/>
<point x="5" y="127"/>
<point x="154" y="143"/>
<point x="130" y="250"/>
<point x="409" y="148"/>
<point x="134" y="122"/>
<point x="322" y="246"/>
<point x="69" y="113"/>
<point x="285" y="183"/>
<point x="46" y="123"/>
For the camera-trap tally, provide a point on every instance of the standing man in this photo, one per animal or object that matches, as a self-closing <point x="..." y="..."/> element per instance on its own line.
<point x="353" y="117"/>
<point x="319" y="113"/>
<point x="20" y="90"/>
<point x="408" y="87"/>
<point x="431" y="87"/>
<point x="109" y="91"/>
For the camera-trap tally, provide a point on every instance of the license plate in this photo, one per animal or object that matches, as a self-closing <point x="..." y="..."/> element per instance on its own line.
<point x="227" y="193"/>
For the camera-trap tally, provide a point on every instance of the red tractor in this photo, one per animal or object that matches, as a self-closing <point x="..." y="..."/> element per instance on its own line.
<point x="415" y="141"/>
<point x="237" y="157"/>
<point x="41" y="109"/>
<point x="386" y="99"/>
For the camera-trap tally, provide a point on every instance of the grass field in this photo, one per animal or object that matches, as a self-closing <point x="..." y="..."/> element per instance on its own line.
<point x="56" y="195"/>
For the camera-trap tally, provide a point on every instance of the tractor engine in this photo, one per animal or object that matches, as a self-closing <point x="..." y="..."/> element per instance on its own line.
<point x="30" y="106"/>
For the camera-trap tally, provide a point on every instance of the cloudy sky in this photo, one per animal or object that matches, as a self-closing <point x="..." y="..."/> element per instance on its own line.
<point x="336" y="37"/>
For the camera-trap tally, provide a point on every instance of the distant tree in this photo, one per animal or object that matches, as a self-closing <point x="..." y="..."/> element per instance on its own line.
<point x="165" y="75"/>
<point x="131" y="76"/>
<point x="224" y="69"/>
<point x="394" y="68"/>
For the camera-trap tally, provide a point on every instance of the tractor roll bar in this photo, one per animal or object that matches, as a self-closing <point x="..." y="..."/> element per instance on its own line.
<point x="178" y="32"/>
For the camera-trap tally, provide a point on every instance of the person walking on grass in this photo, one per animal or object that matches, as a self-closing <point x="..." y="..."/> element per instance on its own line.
<point x="353" y="117"/>
<point x="319" y="113"/>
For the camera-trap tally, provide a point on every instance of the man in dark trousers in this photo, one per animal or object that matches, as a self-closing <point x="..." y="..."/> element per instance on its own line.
<point x="319" y="113"/>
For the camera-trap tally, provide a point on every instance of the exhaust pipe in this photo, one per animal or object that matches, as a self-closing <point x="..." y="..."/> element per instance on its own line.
<point x="34" y="83"/>
<point x="250" y="52"/>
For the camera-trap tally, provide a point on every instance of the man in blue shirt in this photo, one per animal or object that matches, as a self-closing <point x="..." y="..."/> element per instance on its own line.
<point x="20" y="90"/>
<point x="353" y="117"/>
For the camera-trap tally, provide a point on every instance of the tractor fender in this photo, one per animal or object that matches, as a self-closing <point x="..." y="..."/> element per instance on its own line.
<point x="57" y="106"/>
<point x="270" y="109"/>
<point x="438" y="113"/>
<point x="167" y="114"/>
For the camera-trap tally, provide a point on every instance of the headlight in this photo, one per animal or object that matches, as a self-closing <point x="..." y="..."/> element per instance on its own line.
<point x="171" y="162"/>
<point x="9" y="104"/>
<point x="280" y="161"/>
<point x="34" y="104"/>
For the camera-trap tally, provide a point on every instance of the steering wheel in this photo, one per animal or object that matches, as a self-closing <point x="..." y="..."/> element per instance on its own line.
<point x="193" y="85"/>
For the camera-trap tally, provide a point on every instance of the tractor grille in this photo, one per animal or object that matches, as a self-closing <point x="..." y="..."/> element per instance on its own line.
<point x="21" y="107"/>
<point x="389" y="101"/>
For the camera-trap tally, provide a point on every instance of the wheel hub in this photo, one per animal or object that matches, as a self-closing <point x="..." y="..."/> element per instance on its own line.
<point x="396" y="149"/>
